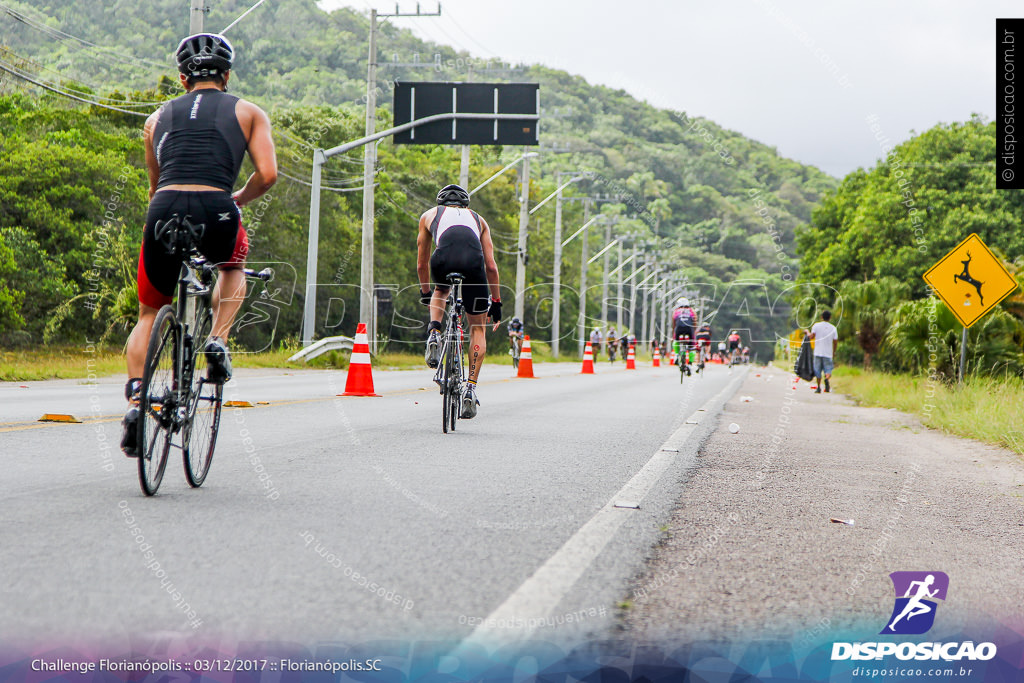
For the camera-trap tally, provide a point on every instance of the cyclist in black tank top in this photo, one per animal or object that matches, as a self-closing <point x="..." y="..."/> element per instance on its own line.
<point x="197" y="140"/>
<point x="194" y="150"/>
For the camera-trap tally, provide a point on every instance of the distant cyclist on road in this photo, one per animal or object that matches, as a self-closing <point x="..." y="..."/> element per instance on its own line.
<point x="612" y="343"/>
<point x="704" y="342"/>
<point x="463" y="241"/>
<point x="684" y="319"/>
<point x="595" y="341"/>
<point x="515" y="336"/>
<point x="194" y="149"/>
<point x="734" y="346"/>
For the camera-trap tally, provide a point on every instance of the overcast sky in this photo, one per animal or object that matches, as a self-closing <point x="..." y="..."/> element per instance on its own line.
<point x="801" y="75"/>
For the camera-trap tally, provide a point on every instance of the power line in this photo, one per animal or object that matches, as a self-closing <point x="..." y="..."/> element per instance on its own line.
<point x="322" y="186"/>
<point x="4" y="52"/>
<point x="470" y="36"/>
<point x="22" y="76"/>
<point x="64" y="37"/>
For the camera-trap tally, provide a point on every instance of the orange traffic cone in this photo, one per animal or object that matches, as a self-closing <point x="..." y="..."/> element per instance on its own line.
<point x="588" y="360"/>
<point x="657" y="359"/>
<point x="360" y="374"/>
<point x="672" y="357"/>
<point x="526" y="360"/>
<point x="631" y="358"/>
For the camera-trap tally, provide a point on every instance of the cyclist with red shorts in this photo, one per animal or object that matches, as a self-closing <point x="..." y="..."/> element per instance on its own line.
<point x="734" y="347"/>
<point x="194" y="149"/>
<point x="704" y="342"/>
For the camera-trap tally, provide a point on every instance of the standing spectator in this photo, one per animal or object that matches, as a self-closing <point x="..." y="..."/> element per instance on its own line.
<point x="826" y="339"/>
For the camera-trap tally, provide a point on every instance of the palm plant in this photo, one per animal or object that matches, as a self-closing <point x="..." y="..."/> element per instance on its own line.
<point x="867" y="311"/>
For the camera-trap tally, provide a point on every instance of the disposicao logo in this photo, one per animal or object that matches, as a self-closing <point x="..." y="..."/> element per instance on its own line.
<point x="913" y="614"/>
<point x="916" y="595"/>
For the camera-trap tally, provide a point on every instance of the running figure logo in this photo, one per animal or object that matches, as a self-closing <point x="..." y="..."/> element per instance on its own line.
<point x="916" y="592"/>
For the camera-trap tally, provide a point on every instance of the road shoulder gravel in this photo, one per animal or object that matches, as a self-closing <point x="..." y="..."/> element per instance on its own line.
<point x="750" y="552"/>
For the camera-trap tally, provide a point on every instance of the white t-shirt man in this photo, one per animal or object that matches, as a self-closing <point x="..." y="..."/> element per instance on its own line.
<point x="824" y="333"/>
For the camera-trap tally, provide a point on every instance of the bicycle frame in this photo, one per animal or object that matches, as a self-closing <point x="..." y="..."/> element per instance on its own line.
<point x="450" y="375"/>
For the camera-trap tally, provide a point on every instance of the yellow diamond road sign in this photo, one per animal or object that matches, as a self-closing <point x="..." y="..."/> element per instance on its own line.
<point x="970" y="280"/>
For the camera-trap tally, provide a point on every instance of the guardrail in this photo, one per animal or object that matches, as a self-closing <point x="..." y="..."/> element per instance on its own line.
<point x="322" y="346"/>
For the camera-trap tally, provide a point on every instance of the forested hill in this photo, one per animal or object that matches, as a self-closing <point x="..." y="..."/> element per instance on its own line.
<point x="699" y="188"/>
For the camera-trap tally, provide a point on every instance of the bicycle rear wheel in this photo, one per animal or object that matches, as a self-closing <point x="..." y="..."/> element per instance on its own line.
<point x="158" y="400"/>
<point x="200" y="433"/>
<point x="456" y="387"/>
<point x="446" y="385"/>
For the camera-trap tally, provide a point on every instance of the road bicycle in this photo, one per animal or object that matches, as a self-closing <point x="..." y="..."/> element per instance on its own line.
<point x="683" y="350"/>
<point x="451" y="369"/>
<point x="517" y="350"/>
<point x="178" y="406"/>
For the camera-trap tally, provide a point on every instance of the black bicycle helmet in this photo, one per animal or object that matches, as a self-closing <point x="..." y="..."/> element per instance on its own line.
<point x="453" y="195"/>
<point x="204" y="54"/>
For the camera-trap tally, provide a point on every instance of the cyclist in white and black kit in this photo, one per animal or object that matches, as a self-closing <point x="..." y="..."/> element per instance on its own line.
<point x="463" y="241"/>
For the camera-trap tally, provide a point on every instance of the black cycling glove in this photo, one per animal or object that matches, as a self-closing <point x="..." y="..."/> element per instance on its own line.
<point x="494" y="311"/>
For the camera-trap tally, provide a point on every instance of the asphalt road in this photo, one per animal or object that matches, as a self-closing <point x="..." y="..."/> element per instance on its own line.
<point x="349" y="519"/>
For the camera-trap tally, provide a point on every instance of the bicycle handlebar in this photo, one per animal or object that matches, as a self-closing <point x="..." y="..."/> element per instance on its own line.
<point x="267" y="274"/>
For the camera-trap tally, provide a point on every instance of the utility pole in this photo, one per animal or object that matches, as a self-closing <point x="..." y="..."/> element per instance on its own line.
<point x="581" y="321"/>
<point x="524" y="221"/>
<point x="366" y="313"/>
<point x="618" y="297"/>
<point x="464" y="165"/>
<point x="367" y="298"/>
<point x="196" y="15"/>
<point x="556" y="317"/>
<point x="632" y="293"/>
<point x="464" y="168"/>
<point x="604" y="283"/>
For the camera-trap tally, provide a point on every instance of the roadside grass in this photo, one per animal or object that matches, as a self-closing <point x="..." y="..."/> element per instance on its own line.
<point x="24" y="365"/>
<point x="983" y="408"/>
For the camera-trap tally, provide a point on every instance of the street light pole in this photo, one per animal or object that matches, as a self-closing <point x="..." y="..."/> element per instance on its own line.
<point x="524" y="221"/>
<point x="632" y="297"/>
<point x="655" y="289"/>
<point x="556" y="312"/>
<point x="618" y="297"/>
<point x="604" y="283"/>
<point x="366" y="313"/>
<point x="581" y="320"/>
<point x="527" y="155"/>
<point x="632" y="293"/>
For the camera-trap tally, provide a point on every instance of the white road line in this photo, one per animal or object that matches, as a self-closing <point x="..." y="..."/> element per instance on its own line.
<point x="540" y="594"/>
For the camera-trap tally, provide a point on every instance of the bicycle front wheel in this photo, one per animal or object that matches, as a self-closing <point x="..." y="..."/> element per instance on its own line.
<point x="158" y="400"/>
<point x="204" y="404"/>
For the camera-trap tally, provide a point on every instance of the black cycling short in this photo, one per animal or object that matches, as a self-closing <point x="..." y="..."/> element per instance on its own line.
<point x="734" y="345"/>
<point x="461" y="253"/>
<point x="683" y="330"/>
<point x="223" y="242"/>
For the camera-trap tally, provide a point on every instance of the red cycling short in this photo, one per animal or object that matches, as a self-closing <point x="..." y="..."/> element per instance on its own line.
<point x="224" y="240"/>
